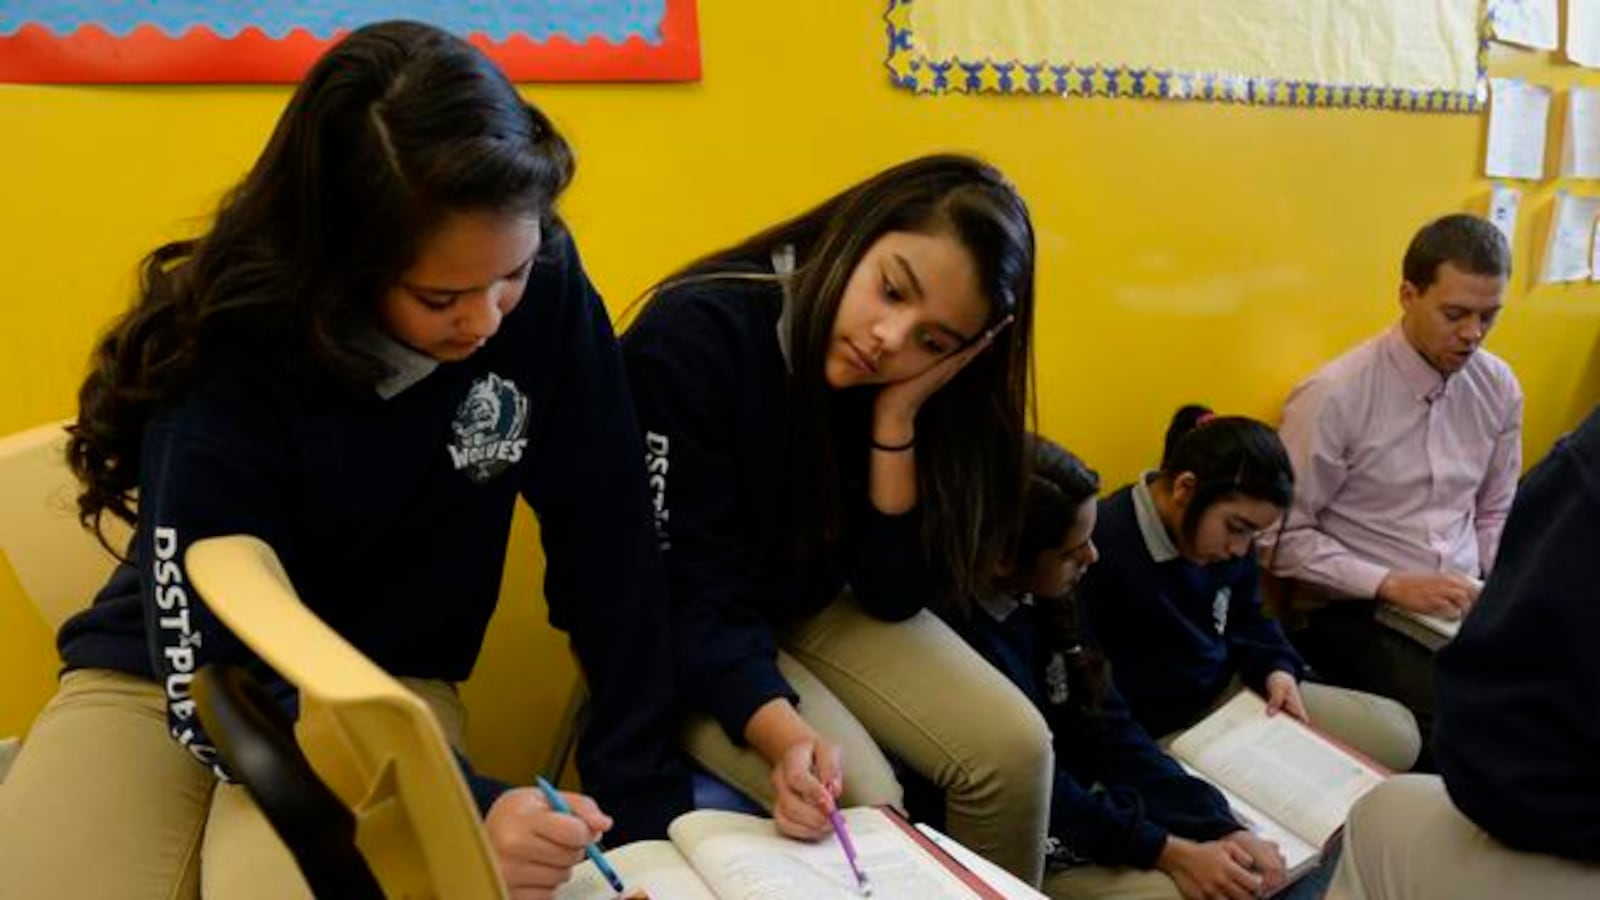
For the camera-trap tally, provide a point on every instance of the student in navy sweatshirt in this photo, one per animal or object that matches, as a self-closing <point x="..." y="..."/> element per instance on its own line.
<point x="1176" y="600"/>
<point x="1515" y="811"/>
<point x="383" y="340"/>
<point x="839" y="400"/>
<point x="1125" y="818"/>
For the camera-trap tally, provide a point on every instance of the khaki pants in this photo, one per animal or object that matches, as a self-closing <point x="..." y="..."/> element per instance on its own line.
<point x="1407" y="841"/>
<point x="103" y="805"/>
<point x="1347" y="646"/>
<point x="917" y="690"/>
<point x="1107" y="883"/>
<point x="1127" y="883"/>
<point x="1379" y="727"/>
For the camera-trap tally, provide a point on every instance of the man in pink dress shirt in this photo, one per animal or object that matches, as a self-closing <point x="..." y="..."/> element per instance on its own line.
<point x="1406" y="453"/>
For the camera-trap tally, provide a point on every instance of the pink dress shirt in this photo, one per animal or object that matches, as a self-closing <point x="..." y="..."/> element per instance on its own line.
<point x="1397" y="467"/>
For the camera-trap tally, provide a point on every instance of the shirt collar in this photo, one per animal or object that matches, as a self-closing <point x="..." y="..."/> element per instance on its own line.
<point x="405" y="366"/>
<point x="1000" y="604"/>
<point x="1156" y="539"/>
<point x="1422" y="381"/>
<point x="783" y="265"/>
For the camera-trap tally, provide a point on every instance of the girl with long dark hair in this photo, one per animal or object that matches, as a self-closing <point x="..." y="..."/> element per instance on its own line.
<point x="383" y="340"/>
<point x="840" y="401"/>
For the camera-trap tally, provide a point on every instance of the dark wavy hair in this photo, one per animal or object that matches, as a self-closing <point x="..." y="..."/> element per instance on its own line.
<point x="1058" y="485"/>
<point x="396" y="127"/>
<point x="1228" y="455"/>
<point x="970" y="456"/>
<point x="1471" y="244"/>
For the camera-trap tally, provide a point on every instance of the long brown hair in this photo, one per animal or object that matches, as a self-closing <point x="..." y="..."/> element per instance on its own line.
<point x="970" y="462"/>
<point x="1059" y="484"/>
<point x="397" y="126"/>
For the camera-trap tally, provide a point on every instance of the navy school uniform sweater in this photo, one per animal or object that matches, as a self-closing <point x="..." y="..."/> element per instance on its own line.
<point x="391" y="517"/>
<point x="1176" y="633"/>
<point x="1517" y="736"/>
<point x="711" y="383"/>
<point x="1143" y="795"/>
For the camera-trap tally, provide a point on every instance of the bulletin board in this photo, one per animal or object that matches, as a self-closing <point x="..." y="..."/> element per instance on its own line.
<point x="220" y="41"/>
<point x="1392" y="54"/>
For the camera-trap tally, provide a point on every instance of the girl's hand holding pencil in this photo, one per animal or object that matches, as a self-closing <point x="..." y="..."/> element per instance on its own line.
<point x="537" y="837"/>
<point x="806" y="781"/>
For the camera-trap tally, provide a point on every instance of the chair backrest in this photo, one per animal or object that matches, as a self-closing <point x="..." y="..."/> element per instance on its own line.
<point x="58" y="563"/>
<point x="255" y="738"/>
<point x="374" y="743"/>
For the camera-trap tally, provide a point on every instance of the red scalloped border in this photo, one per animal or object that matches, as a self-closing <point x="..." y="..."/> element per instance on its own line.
<point x="146" y="55"/>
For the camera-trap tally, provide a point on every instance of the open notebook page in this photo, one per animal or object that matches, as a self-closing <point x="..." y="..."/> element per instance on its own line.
<point x="655" y="866"/>
<point x="744" y="858"/>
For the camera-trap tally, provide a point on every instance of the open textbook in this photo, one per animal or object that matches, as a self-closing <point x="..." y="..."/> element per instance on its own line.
<point x="1289" y="783"/>
<point x="715" y="855"/>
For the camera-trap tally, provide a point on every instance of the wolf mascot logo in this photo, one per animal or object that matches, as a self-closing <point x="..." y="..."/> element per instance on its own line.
<point x="487" y="434"/>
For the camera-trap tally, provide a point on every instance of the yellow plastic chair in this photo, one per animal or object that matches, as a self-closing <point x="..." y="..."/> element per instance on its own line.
<point x="375" y="744"/>
<point x="59" y="565"/>
<point x="254" y="737"/>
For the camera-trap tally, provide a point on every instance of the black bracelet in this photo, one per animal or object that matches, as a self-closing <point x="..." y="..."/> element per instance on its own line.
<point x="895" y="448"/>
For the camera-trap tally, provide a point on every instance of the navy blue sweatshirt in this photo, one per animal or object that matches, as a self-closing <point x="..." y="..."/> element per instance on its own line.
<point x="1143" y="794"/>
<point x="391" y="517"/>
<point x="1517" y="736"/>
<point x="1176" y="633"/>
<point x="711" y="385"/>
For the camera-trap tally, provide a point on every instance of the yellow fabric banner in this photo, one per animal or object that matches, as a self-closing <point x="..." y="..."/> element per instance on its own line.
<point x="1411" y="54"/>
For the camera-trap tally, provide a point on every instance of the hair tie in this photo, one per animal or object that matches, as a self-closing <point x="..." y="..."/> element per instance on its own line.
<point x="1204" y="419"/>
<point x="894" y="448"/>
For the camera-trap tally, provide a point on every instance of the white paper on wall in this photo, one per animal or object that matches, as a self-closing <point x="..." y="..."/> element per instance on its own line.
<point x="1503" y="203"/>
<point x="1531" y="23"/>
<point x="1594" y="258"/>
<point x="1569" y="255"/>
<point x="1518" y="113"/>
<point x="1580" y="139"/>
<point x="1583" y="32"/>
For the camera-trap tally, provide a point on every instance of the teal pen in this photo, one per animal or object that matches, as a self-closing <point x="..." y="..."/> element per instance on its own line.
<point x="559" y="804"/>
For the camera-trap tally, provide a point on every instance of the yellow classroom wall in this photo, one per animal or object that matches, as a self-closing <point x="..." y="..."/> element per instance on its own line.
<point x="1188" y="251"/>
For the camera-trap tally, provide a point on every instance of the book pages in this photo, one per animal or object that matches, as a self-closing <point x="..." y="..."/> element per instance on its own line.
<point x="1277" y="765"/>
<point x="1432" y="632"/>
<point x="744" y="858"/>
<point x="1299" y="857"/>
<point x="656" y="867"/>
<point x="1005" y="884"/>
